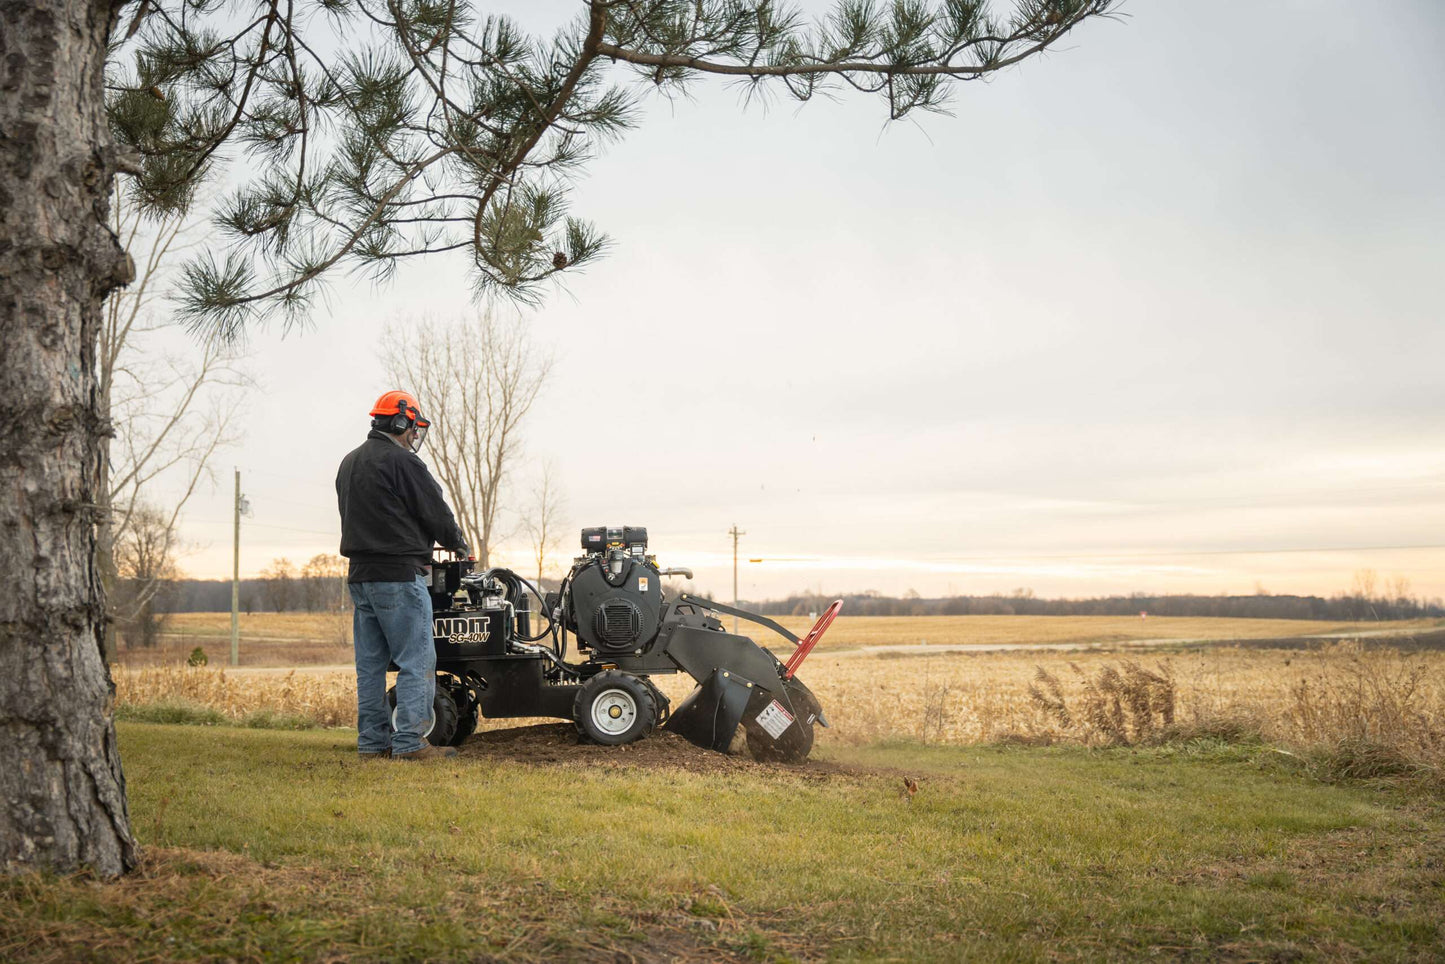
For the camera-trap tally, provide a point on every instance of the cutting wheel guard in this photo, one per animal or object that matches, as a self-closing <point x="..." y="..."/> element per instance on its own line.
<point x="742" y="684"/>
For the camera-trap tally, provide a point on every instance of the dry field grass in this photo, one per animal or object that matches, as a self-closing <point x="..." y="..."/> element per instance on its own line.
<point x="1297" y="697"/>
<point x="1338" y="695"/>
<point x="274" y="625"/>
<point x="853" y="631"/>
<point x="266" y="639"/>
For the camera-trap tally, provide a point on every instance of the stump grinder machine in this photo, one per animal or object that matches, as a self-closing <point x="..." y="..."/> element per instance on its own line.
<point x="499" y="658"/>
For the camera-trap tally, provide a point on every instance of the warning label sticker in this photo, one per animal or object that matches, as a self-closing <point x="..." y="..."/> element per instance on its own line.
<point x="642" y="584"/>
<point x="774" y="719"/>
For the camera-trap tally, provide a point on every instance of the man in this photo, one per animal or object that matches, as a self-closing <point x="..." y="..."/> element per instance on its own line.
<point x="392" y="512"/>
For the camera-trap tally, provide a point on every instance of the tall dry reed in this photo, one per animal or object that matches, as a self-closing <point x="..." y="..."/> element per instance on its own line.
<point x="327" y="699"/>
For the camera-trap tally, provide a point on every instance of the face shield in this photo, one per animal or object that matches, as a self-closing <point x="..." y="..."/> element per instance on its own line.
<point x="419" y="432"/>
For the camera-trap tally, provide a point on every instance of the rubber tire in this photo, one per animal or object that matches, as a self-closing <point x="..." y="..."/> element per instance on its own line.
<point x="444" y="715"/>
<point x="605" y="682"/>
<point x="468" y="715"/>
<point x="660" y="701"/>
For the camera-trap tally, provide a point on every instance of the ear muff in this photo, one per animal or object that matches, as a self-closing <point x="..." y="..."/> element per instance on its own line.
<point x="402" y="421"/>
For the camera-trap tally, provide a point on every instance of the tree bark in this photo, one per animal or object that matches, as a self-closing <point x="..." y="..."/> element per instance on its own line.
<point x="105" y="531"/>
<point x="62" y="792"/>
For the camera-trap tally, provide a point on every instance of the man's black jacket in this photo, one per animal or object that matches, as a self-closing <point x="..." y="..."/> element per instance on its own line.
<point x="392" y="511"/>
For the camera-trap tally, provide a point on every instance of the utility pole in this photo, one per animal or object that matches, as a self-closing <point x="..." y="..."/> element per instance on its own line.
<point x="236" y="577"/>
<point x="735" y="533"/>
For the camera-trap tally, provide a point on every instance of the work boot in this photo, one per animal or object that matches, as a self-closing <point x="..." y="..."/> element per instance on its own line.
<point x="427" y="752"/>
<point x="375" y="755"/>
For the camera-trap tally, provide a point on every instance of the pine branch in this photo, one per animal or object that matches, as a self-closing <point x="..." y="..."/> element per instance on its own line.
<point x="433" y="129"/>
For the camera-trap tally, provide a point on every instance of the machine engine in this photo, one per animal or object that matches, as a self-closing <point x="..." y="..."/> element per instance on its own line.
<point x="615" y="592"/>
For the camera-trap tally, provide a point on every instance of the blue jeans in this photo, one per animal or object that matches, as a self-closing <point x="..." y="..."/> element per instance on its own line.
<point x="392" y="624"/>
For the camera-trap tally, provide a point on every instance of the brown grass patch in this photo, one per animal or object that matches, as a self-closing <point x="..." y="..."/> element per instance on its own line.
<point x="183" y="905"/>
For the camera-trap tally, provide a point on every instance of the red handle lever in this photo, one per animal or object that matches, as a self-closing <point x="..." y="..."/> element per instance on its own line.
<point x="805" y="646"/>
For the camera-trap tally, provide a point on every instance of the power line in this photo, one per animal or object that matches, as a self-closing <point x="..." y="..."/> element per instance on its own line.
<point x="1007" y="554"/>
<point x="304" y="505"/>
<point x="1271" y="552"/>
<point x="1158" y="553"/>
<point x="289" y="478"/>
<point x="263" y="525"/>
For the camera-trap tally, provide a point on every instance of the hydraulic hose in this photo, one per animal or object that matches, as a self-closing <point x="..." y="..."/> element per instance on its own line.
<point x="516" y="588"/>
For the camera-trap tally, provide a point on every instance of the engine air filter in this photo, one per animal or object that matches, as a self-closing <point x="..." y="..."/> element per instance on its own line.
<point x="618" y="623"/>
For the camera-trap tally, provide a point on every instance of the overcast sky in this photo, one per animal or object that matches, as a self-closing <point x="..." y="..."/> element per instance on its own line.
<point x="1159" y="312"/>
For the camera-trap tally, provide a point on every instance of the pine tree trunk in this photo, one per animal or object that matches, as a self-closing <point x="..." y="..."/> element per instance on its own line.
<point x="62" y="793"/>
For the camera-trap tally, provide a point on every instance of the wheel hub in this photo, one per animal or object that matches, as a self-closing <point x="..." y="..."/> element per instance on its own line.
<point x="614" y="711"/>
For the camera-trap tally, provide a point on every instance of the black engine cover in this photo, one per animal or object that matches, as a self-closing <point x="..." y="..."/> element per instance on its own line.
<point x="620" y="614"/>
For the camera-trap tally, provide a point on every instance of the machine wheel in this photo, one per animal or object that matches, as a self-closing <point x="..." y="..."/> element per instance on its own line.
<point x="796" y="741"/>
<point x="762" y="748"/>
<point x="659" y="700"/>
<point x="444" y="715"/>
<point x="613" y="708"/>
<point x="468" y="712"/>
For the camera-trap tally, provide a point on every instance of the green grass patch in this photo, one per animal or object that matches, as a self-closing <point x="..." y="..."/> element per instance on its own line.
<point x="189" y="714"/>
<point x="282" y="845"/>
<point x="272" y="720"/>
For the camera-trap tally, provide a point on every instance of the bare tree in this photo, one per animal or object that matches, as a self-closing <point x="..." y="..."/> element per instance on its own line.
<point x="323" y="583"/>
<point x="170" y="410"/>
<point x="545" y="519"/>
<point x="475" y="378"/>
<point x="145" y="569"/>
<point x="1362" y="584"/>
<point x="280" y="584"/>
<point x="1398" y="593"/>
<point x="1362" y="591"/>
<point x="323" y="590"/>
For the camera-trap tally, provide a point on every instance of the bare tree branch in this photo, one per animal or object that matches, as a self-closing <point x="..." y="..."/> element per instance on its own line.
<point x="171" y="405"/>
<point x="475" y="379"/>
<point x="545" y="518"/>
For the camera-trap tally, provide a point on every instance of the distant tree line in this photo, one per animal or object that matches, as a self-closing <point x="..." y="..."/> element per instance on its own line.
<point x="1024" y="603"/>
<point x="317" y="586"/>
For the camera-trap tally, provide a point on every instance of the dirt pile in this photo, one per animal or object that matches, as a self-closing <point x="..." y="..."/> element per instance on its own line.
<point x="558" y="744"/>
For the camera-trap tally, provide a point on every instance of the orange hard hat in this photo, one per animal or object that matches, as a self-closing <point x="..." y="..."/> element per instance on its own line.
<point x="399" y="402"/>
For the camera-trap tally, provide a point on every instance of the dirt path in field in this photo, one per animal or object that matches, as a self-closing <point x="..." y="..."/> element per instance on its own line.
<point x="1425" y="639"/>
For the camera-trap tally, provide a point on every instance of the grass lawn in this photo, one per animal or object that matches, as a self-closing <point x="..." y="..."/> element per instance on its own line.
<point x="279" y="845"/>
